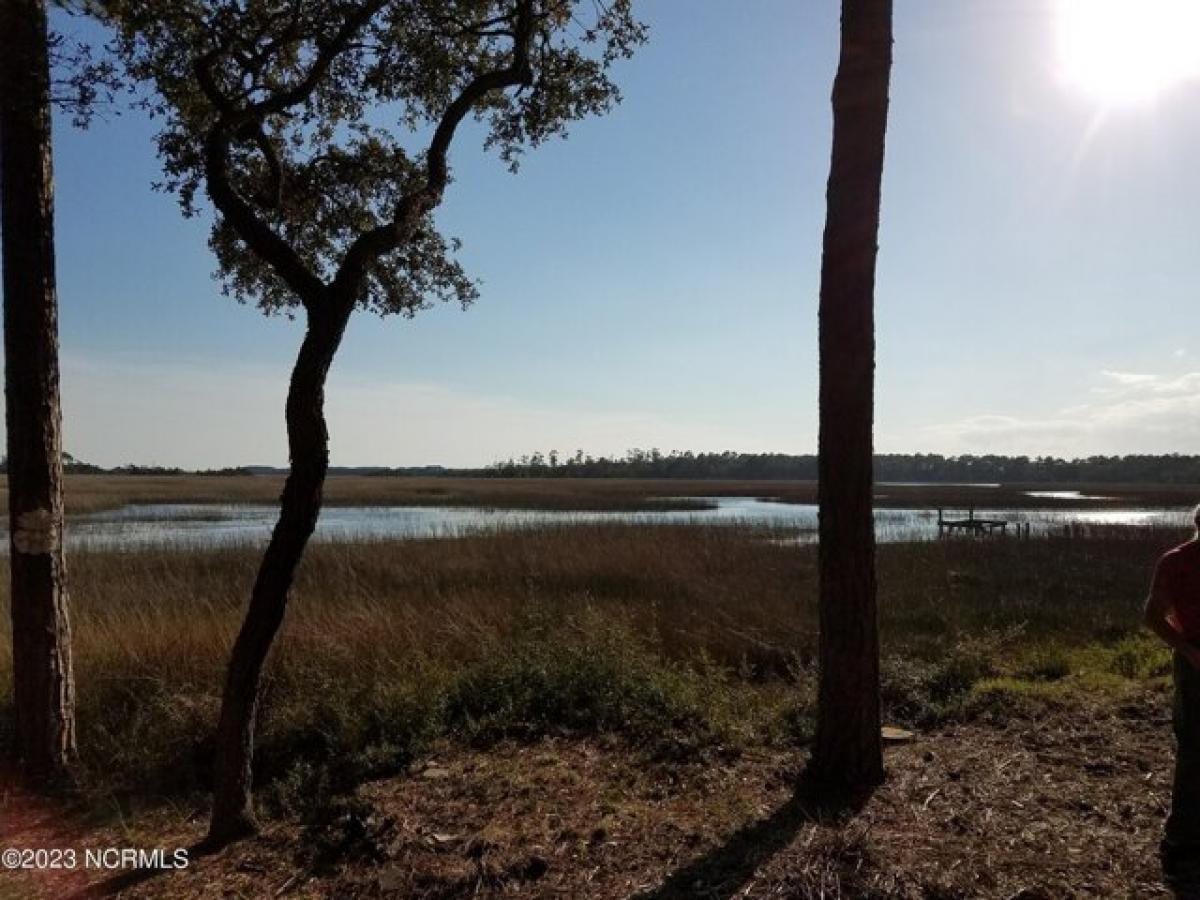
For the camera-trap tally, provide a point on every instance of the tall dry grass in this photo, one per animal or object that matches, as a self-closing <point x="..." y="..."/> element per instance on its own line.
<point x="646" y="630"/>
<point x="93" y="493"/>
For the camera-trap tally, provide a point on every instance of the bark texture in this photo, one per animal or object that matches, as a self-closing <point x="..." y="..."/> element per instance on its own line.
<point x="43" y="683"/>
<point x="300" y="505"/>
<point x="848" y="753"/>
<point x="329" y="306"/>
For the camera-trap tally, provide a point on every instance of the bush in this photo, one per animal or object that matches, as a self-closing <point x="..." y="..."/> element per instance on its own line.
<point x="591" y="677"/>
<point x="1138" y="657"/>
<point x="1044" y="664"/>
<point x="923" y="692"/>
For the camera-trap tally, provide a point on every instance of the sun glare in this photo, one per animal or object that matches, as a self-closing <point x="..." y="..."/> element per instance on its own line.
<point x="1127" y="52"/>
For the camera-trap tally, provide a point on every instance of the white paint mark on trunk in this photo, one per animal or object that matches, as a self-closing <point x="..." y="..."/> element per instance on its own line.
<point x="36" y="532"/>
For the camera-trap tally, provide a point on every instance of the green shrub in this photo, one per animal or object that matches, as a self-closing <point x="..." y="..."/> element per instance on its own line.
<point x="796" y="725"/>
<point x="923" y="692"/>
<point x="1044" y="664"/>
<point x="589" y="678"/>
<point x="1140" y="658"/>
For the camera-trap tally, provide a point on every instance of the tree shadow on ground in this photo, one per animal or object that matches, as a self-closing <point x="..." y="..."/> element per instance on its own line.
<point x="116" y="884"/>
<point x="723" y="871"/>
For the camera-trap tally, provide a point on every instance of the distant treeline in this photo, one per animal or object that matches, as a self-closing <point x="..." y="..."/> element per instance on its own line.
<point x="1173" y="468"/>
<point x="933" y="467"/>
<point x="74" y="466"/>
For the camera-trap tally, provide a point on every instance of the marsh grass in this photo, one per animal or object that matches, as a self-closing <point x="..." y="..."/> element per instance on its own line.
<point x="676" y="639"/>
<point x="96" y="493"/>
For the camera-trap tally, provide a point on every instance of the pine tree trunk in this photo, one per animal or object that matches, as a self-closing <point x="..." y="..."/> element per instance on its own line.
<point x="300" y="505"/>
<point x="848" y="753"/>
<point x="43" y="683"/>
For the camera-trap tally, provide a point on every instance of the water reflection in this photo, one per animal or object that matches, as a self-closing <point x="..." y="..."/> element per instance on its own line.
<point x="193" y="525"/>
<point x="1066" y="495"/>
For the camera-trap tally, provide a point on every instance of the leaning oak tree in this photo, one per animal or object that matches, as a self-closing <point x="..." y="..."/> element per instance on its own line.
<point x="43" y="683"/>
<point x="293" y="114"/>
<point x="847" y="753"/>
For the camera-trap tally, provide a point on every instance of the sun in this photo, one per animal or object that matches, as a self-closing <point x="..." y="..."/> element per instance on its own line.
<point x="1128" y="52"/>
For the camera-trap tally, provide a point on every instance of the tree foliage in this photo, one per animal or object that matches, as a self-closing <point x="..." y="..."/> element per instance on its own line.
<point x="298" y="119"/>
<point x="326" y="121"/>
<point x="1171" y="468"/>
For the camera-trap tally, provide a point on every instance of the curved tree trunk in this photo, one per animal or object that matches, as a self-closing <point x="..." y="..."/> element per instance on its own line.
<point x="43" y="683"/>
<point x="308" y="447"/>
<point x="848" y="753"/>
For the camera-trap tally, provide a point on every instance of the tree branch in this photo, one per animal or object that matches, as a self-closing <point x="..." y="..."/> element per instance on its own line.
<point x="272" y="197"/>
<point x="258" y="235"/>
<point x="373" y="244"/>
<point x="326" y="54"/>
<point x="518" y="73"/>
<point x="246" y="124"/>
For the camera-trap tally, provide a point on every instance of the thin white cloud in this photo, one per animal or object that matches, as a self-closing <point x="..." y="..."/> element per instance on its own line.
<point x="1128" y="413"/>
<point x="200" y="416"/>
<point x="1128" y="378"/>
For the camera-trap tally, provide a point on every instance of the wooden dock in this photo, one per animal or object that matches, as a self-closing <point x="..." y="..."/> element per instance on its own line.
<point x="976" y="527"/>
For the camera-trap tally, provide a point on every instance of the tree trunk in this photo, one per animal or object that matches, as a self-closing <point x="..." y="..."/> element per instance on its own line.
<point x="308" y="446"/>
<point x="43" y="682"/>
<point x="848" y="753"/>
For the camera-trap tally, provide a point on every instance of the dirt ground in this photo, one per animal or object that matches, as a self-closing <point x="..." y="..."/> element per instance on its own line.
<point x="1064" y="802"/>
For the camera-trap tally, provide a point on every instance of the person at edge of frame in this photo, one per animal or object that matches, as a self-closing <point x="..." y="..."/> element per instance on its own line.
<point x="1173" y="613"/>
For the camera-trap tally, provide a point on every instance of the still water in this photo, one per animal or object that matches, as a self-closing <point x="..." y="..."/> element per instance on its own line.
<point x="198" y="525"/>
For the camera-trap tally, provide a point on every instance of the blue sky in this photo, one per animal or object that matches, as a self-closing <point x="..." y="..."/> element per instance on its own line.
<point x="652" y="281"/>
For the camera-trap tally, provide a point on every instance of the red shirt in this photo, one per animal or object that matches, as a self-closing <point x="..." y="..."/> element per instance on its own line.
<point x="1177" y="576"/>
